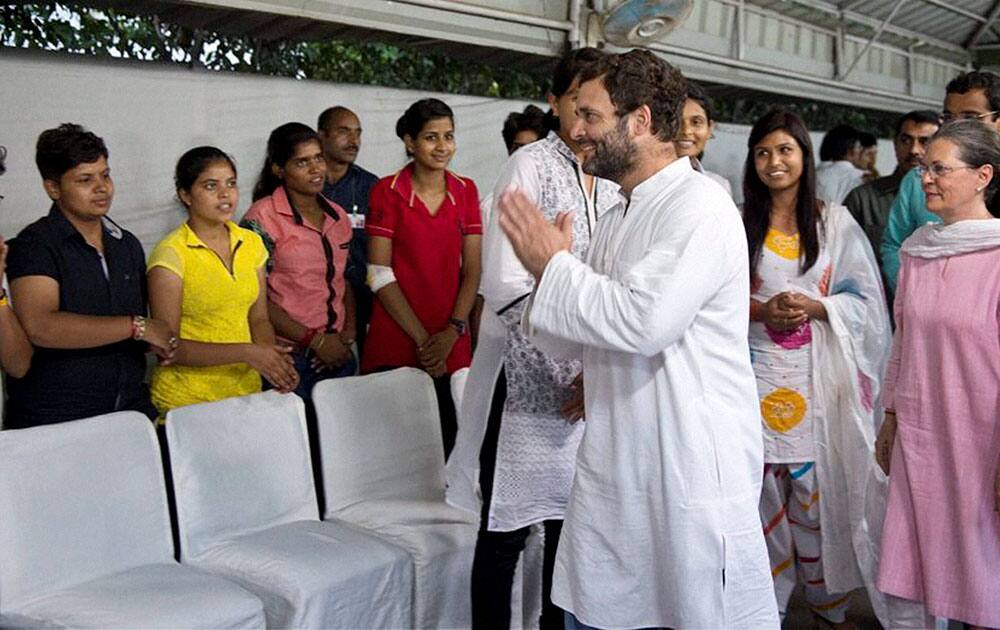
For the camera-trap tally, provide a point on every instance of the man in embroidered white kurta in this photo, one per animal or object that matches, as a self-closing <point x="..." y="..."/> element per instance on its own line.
<point x="662" y="526"/>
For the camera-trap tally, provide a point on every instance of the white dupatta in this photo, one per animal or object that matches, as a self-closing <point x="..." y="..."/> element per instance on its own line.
<point x="961" y="237"/>
<point x="849" y="355"/>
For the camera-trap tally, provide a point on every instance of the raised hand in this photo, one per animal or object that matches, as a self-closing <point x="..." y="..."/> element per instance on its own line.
<point x="535" y="240"/>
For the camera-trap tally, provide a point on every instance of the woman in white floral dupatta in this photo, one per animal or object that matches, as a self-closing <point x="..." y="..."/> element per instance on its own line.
<point x="819" y="338"/>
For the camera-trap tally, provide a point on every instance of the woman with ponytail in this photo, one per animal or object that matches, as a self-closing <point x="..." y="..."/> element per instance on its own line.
<point x="424" y="243"/>
<point x="308" y="238"/>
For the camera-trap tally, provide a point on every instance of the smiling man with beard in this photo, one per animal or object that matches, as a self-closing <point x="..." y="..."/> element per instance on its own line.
<point x="662" y="526"/>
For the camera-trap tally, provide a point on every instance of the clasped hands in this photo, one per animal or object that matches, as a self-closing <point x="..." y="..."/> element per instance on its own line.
<point x="434" y="350"/>
<point x="331" y="352"/>
<point x="161" y="339"/>
<point x="788" y="310"/>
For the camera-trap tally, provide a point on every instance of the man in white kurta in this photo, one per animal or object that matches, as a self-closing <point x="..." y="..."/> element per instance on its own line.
<point x="662" y="526"/>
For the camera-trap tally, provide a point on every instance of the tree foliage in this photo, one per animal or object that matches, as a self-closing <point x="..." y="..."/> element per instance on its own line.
<point x="76" y="28"/>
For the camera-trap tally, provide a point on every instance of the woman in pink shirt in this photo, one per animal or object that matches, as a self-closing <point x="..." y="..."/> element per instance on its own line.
<point x="940" y="442"/>
<point x="307" y="236"/>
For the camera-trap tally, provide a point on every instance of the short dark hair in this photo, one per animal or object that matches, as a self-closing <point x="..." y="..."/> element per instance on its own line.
<point x="638" y="78"/>
<point x="697" y="93"/>
<point x="977" y="80"/>
<point x="867" y="139"/>
<point x="918" y="116"/>
<point x="66" y="147"/>
<point x="194" y="161"/>
<point x="328" y="114"/>
<point x="531" y="119"/>
<point x="571" y="66"/>
<point x="838" y="142"/>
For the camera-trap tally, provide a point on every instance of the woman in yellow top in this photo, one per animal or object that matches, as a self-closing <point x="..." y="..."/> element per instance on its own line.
<point x="205" y="280"/>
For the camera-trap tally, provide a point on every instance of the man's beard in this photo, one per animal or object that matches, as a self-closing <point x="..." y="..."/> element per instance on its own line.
<point x="614" y="154"/>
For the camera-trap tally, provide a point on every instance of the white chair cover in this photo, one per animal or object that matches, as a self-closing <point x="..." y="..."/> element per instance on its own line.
<point x="246" y="508"/>
<point x="85" y="536"/>
<point x="383" y="470"/>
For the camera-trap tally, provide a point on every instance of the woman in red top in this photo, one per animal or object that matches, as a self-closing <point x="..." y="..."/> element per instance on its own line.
<point x="424" y="232"/>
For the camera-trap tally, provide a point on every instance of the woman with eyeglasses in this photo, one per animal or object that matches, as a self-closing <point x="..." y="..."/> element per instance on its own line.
<point x="819" y="338"/>
<point x="940" y="442"/>
<point x="308" y="238"/>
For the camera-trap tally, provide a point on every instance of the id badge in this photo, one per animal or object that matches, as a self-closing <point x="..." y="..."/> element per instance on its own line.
<point x="357" y="219"/>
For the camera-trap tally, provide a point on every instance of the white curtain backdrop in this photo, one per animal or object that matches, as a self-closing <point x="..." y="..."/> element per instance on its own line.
<point x="149" y="114"/>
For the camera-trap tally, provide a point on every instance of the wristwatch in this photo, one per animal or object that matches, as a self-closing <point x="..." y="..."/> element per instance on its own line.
<point x="459" y="325"/>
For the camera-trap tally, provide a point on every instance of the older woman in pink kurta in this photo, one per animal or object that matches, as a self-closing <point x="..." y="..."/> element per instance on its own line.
<point x="941" y="438"/>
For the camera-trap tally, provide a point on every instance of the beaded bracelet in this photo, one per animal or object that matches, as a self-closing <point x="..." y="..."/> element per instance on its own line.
<point x="138" y="327"/>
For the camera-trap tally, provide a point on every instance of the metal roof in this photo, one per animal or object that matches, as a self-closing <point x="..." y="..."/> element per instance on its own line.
<point x="952" y="29"/>
<point x="892" y="55"/>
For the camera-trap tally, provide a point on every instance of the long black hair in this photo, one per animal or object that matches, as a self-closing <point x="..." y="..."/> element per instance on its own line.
<point x="281" y="146"/>
<point x="757" y="196"/>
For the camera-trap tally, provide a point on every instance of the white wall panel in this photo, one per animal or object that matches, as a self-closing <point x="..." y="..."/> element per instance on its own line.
<point x="150" y="114"/>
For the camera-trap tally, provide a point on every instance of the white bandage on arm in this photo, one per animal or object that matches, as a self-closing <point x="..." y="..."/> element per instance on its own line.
<point x="379" y="276"/>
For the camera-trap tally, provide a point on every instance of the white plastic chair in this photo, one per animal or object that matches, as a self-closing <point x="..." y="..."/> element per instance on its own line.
<point x="246" y="509"/>
<point x="383" y="470"/>
<point x="85" y="537"/>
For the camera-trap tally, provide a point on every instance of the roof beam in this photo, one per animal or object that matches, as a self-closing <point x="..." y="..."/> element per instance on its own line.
<point x="875" y="36"/>
<point x="873" y="23"/>
<point x="994" y="12"/>
<point x="958" y="10"/>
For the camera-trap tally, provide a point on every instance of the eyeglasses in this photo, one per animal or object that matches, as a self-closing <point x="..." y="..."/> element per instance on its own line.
<point x="947" y="117"/>
<point x="940" y="170"/>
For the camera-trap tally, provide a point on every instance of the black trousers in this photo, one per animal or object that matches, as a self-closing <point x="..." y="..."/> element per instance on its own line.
<point x="446" y="409"/>
<point x="497" y="552"/>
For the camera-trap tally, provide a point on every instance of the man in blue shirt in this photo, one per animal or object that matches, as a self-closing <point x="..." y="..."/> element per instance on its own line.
<point x="348" y="185"/>
<point x="973" y="95"/>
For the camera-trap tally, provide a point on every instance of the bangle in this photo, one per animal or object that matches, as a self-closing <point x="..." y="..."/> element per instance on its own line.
<point x="322" y="340"/>
<point x="308" y="337"/>
<point x="344" y="340"/>
<point x="4" y="301"/>
<point x="138" y="327"/>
